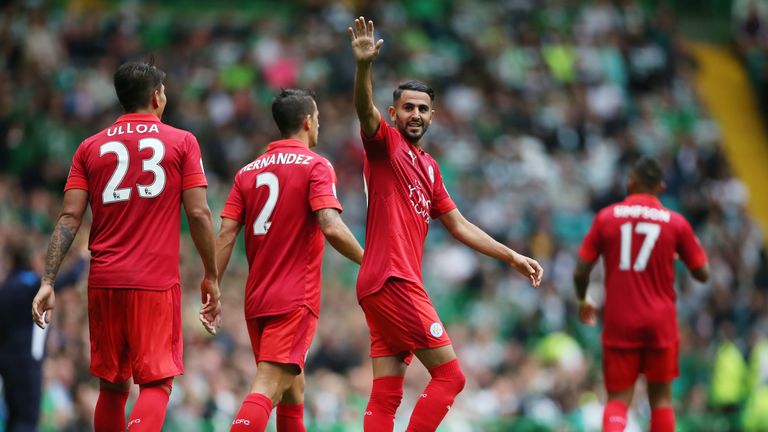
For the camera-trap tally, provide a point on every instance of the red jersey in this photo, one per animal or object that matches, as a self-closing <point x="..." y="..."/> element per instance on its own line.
<point x="275" y="197"/>
<point x="639" y="240"/>
<point x="405" y="191"/>
<point x="134" y="172"/>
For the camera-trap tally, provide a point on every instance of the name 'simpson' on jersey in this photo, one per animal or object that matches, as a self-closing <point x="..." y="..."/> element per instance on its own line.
<point x="638" y="211"/>
<point x="280" y="158"/>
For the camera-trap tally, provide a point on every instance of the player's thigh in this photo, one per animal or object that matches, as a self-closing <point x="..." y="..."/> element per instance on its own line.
<point x="108" y="331"/>
<point x="285" y="339"/>
<point x="621" y="368"/>
<point x="403" y="318"/>
<point x="156" y="345"/>
<point x="295" y="393"/>
<point x="660" y="367"/>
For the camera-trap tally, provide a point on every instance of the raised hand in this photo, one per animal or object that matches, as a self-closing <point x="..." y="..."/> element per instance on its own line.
<point x="529" y="268"/>
<point x="364" y="45"/>
<point x="42" y="305"/>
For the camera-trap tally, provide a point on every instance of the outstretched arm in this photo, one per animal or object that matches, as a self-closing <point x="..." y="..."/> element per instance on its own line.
<point x="365" y="49"/>
<point x="67" y="225"/>
<point x="469" y="234"/>
<point x="338" y="234"/>
<point x="201" y="229"/>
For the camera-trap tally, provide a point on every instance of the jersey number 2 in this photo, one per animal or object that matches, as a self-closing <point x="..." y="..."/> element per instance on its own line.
<point x="651" y="231"/>
<point x="113" y="193"/>
<point x="262" y="224"/>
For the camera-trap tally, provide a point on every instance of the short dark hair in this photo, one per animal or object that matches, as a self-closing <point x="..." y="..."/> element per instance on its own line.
<point x="290" y="107"/>
<point x="647" y="172"/>
<point x="134" y="84"/>
<point x="414" y="85"/>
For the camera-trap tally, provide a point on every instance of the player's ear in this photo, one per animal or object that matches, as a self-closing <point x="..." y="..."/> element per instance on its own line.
<point x="392" y="110"/>
<point x="156" y="99"/>
<point x="661" y="188"/>
<point x="307" y="124"/>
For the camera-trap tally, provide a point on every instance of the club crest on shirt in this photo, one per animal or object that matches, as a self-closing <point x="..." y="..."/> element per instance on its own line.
<point x="436" y="329"/>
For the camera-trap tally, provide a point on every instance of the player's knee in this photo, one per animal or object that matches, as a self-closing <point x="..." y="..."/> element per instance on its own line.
<point x="454" y="378"/>
<point x="165" y="384"/>
<point x="460" y="381"/>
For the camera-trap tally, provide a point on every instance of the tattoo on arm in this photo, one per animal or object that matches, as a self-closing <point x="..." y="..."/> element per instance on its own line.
<point x="61" y="240"/>
<point x="327" y="216"/>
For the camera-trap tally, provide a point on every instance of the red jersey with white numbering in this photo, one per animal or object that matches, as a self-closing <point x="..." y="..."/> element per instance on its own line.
<point x="405" y="191"/>
<point x="275" y="197"/>
<point x="134" y="172"/>
<point x="639" y="240"/>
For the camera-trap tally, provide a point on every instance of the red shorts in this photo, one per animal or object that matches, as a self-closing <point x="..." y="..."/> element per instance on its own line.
<point x="621" y="367"/>
<point x="401" y="319"/>
<point x="135" y="333"/>
<point x="283" y="339"/>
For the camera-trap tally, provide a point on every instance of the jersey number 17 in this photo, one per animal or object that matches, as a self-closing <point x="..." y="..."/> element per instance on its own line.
<point x="651" y="232"/>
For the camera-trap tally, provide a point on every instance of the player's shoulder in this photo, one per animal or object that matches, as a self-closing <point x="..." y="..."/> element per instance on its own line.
<point x="677" y="219"/>
<point x="429" y="157"/>
<point x="178" y="134"/>
<point x="317" y="158"/>
<point x="607" y="211"/>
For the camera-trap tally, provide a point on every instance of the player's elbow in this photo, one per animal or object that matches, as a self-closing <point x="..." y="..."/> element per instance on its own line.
<point x="199" y="214"/>
<point x="332" y="231"/>
<point x="701" y="274"/>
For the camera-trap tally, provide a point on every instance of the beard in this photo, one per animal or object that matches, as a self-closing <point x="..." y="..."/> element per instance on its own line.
<point x="412" y="132"/>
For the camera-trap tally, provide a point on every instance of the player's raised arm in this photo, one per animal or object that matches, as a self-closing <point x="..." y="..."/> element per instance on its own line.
<point x="338" y="234"/>
<point x="365" y="49"/>
<point x="466" y="232"/>
<point x="201" y="229"/>
<point x="67" y="225"/>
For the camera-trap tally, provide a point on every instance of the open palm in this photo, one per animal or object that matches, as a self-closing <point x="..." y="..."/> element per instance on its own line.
<point x="364" y="46"/>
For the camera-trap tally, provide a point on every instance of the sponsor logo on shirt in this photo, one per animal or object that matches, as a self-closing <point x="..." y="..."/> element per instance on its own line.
<point x="436" y="329"/>
<point x="421" y="204"/>
<point x="134" y="422"/>
<point x="242" y="422"/>
<point x="413" y="157"/>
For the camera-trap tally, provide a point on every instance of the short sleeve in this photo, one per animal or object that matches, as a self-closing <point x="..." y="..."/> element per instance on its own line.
<point x="688" y="246"/>
<point x="441" y="201"/>
<point x="322" y="187"/>
<point x="234" y="208"/>
<point x="379" y="145"/>
<point x="192" y="171"/>
<point x="77" y="178"/>
<point x="590" y="248"/>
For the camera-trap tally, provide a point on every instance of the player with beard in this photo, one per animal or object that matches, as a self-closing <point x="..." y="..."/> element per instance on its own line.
<point x="405" y="192"/>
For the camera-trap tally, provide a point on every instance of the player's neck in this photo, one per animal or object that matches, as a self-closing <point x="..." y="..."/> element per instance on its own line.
<point x="152" y="111"/>
<point x="301" y="136"/>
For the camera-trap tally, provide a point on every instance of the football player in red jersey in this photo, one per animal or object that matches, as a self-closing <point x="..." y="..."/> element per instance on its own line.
<point x="286" y="199"/>
<point x="639" y="241"/>
<point x="405" y="192"/>
<point x="135" y="175"/>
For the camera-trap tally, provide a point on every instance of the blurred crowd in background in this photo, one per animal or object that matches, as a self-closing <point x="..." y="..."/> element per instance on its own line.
<point x="541" y="106"/>
<point x="750" y="30"/>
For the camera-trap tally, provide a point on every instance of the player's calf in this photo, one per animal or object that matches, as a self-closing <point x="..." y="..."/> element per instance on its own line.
<point x="386" y="394"/>
<point x="447" y="381"/>
<point x="149" y="412"/>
